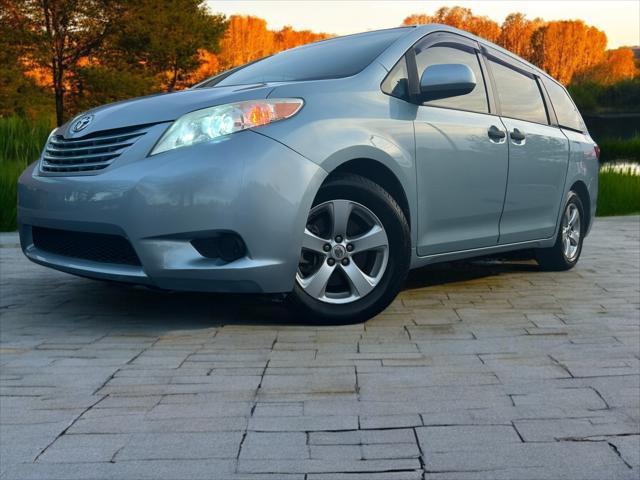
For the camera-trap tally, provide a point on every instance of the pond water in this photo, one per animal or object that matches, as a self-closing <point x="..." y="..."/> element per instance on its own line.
<point x="621" y="167"/>
<point x="613" y="126"/>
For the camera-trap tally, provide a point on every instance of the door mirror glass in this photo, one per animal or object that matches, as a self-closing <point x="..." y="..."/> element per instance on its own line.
<point x="446" y="80"/>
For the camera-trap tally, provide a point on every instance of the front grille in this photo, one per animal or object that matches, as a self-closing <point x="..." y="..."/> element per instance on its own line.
<point x="92" y="152"/>
<point x="97" y="247"/>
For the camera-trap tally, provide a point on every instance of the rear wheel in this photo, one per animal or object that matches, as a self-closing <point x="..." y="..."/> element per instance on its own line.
<point x="566" y="251"/>
<point x="355" y="253"/>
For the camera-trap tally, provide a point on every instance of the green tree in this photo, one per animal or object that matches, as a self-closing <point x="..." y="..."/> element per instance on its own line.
<point x="164" y="37"/>
<point x="52" y="35"/>
<point x="98" y="84"/>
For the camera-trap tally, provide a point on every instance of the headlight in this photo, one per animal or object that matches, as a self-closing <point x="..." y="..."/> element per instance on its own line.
<point x="210" y="123"/>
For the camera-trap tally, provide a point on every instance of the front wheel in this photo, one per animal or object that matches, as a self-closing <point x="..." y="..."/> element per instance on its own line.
<point x="566" y="251"/>
<point x="355" y="252"/>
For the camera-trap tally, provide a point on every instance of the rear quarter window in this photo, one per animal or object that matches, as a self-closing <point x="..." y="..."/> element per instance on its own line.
<point x="566" y="111"/>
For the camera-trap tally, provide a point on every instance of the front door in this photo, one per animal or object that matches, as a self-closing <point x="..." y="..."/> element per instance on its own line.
<point x="461" y="159"/>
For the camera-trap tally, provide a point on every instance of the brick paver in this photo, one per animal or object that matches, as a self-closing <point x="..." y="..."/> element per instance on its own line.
<point x="478" y="370"/>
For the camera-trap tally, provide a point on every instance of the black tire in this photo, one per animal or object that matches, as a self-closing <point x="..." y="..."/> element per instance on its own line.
<point x="371" y="195"/>
<point x="554" y="259"/>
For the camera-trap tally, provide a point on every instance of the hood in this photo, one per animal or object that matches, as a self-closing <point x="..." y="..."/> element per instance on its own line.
<point x="159" y="108"/>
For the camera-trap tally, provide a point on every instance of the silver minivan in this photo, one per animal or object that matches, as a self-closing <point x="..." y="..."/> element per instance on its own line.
<point x="324" y="173"/>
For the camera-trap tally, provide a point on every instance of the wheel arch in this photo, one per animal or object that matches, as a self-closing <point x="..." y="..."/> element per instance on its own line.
<point x="580" y="188"/>
<point x="379" y="173"/>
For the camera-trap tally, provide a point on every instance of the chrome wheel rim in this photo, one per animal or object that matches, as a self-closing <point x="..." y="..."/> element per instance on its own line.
<point x="571" y="232"/>
<point x="345" y="251"/>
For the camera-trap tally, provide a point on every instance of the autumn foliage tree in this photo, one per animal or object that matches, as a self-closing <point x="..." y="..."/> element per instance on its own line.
<point x="566" y="48"/>
<point x="516" y="32"/>
<point x="53" y="35"/>
<point x="290" y="38"/>
<point x="247" y="39"/>
<point x="617" y="65"/>
<point x="569" y="50"/>
<point x="89" y="52"/>
<point x="92" y="51"/>
<point x="459" y="17"/>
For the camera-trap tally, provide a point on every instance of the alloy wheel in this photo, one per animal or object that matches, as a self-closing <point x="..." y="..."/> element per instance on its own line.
<point x="345" y="252"/>
<point x="571" y="232"/>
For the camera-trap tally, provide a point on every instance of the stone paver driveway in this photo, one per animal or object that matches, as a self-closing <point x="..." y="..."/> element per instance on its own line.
<point x="478" y="370"/>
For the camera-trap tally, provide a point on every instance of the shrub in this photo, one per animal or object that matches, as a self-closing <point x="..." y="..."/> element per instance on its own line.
<point x="619" y="192"/>
<point x="620" y="149"/>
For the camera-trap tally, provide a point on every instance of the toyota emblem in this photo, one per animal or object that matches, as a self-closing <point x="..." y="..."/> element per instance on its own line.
<point x="82" y="123"/>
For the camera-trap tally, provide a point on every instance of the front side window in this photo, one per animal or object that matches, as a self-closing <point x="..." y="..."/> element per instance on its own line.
<point x="566" y="111"/>
<point x="396" y="83"/>
<point x="519" y="94"/>
<point x="476" y="100"/>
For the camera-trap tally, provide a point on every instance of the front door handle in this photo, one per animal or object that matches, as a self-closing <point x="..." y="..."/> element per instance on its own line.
<point x="517" y="135"/>
<point x="495" y="133"/>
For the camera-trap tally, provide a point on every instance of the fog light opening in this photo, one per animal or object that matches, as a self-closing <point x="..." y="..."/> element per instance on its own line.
<point x="226" y="246"/>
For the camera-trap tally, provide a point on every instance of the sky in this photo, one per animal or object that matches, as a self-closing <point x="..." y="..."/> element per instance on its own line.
<point x="620" y="19"/>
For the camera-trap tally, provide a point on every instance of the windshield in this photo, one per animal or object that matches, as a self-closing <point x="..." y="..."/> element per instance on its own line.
<point x="332" y="58"/>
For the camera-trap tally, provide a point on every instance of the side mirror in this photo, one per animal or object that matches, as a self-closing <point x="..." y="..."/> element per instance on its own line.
<point x="446" y="80"/>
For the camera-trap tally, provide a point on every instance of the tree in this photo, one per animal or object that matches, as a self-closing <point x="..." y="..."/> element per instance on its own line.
<point x="459" y="17"/>
<point x="290" y="38"/>
<point x="209" y="66"/>
<point x="19" y="94"/>
<point x="516" y="33"/>
<point x="617" y="65"/>
<point x="417" y="19"/>
<point x="166" y="37"/>
<point x="95" y="84"/>
<point x="567" y="48"/>
<point x="245" y="40"/>
<point x="54" y="34"/>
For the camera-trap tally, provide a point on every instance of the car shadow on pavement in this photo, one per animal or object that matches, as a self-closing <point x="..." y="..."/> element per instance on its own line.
<point x="466" y="270"/>
<point x="122" y="305"/>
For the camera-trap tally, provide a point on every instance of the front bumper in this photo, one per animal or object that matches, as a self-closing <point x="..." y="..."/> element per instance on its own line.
<point x="246" y="183"/>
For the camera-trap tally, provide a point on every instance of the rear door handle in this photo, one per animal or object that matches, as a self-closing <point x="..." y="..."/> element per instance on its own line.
<point x="517" y="135"/>
<point x="495" y="133"/>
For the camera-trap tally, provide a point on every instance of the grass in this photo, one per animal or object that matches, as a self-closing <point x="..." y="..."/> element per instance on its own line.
<point x="9" y="173"/>
<point x="21" y="141"/>
<point x="619" y="191"/>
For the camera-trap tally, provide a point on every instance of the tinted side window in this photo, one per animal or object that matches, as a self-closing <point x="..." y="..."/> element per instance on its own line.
<point x="476" y="100"/>
<point x="519" y="94"/>
<point x="396" y="83"/>
<point x="566" y="111"/>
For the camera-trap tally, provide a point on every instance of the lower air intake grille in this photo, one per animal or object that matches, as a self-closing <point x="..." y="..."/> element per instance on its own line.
<point x="97" y="247"/>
